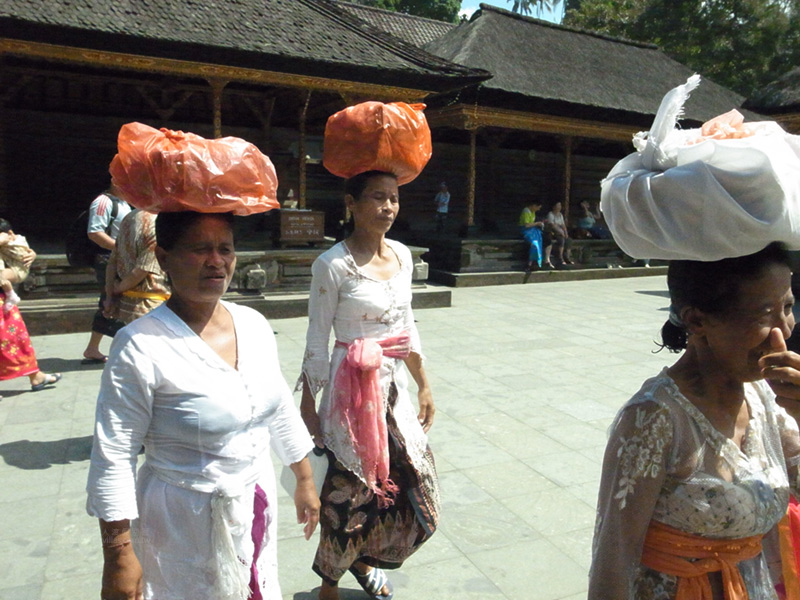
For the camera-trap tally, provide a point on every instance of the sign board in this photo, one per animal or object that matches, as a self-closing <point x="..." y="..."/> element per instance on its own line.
<point x="302" y="226"/>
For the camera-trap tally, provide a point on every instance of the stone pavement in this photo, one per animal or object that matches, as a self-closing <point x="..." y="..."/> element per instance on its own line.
<point x="526" y="380"/>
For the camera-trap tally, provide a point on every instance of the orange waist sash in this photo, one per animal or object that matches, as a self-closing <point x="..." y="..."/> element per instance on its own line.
<point x="691" y="558"/>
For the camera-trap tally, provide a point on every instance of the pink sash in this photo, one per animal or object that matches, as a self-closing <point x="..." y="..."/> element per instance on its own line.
<point x="358" y="407"/>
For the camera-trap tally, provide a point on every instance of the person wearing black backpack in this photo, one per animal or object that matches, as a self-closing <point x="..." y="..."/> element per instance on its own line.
<point x="105" y="216"/>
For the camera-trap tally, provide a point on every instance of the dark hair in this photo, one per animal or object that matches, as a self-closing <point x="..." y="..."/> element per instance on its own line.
<point x="356" y="185"/>
<point x="5" y="226"/>
<point x="712" y="287"/>
<point x="170" y="226"/>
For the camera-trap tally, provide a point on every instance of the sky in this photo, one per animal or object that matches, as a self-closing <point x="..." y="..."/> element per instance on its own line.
<point x="470" y="6"/>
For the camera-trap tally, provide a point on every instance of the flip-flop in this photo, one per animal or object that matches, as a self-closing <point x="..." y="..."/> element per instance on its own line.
<point x="94" y="361"/>
<point x="50" y="379"/>
<point x="373" y="582"/>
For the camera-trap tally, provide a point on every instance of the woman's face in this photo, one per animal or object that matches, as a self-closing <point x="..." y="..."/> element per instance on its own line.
<point x="557" y="207"/>
<point x="740" y="337"/>
<point x="377" y="207"/>
<point x="201" y="263"/>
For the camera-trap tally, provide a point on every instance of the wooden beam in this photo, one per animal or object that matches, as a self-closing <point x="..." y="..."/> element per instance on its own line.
<point x="186" y="68"/>
<point x="466" y="117"/>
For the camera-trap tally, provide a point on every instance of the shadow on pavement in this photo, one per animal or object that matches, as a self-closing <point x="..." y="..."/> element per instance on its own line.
<point x="67" y="365"/>
<point x="344" y="594"/>
<point x="29" y="455"/>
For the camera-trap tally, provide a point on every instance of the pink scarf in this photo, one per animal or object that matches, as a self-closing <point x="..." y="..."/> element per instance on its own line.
<point x="358" y="407"/>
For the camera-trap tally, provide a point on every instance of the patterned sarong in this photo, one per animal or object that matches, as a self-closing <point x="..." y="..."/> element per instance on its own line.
<point x="354" y="527"/>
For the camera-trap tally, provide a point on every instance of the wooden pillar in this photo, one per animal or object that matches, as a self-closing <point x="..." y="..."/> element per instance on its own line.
<point x="473" y="136"/>
<point x="217" y="85"/>
<point x="568" y="143"/>
<point x="494" y="140"/>
<point x="301" y="154"/>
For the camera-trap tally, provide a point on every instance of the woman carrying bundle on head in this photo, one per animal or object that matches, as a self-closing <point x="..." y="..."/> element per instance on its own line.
<point x="701" y="461"/>
<point x="196" y="381"/>
<point x="380" y="499"/>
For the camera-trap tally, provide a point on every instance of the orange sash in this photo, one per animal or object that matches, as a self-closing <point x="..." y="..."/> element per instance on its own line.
<point x="668" y="550"/>
<point x="789" y="535"/>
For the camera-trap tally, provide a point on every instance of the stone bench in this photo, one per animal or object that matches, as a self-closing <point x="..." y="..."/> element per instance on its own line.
<point x="478" y="255"/>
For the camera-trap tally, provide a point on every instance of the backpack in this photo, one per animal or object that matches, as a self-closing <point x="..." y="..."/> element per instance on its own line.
<point x="80" y="249"/>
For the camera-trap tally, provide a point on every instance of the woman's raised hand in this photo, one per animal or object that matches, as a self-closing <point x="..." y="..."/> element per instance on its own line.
<point x="781" y="369"/>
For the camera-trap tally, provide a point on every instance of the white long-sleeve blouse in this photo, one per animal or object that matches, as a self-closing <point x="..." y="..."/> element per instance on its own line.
<point x="206" y="429"/>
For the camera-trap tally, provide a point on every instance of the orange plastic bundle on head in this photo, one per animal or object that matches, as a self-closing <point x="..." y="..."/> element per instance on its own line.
<point x="168" y="171"/>
<point x="373" y="136"/>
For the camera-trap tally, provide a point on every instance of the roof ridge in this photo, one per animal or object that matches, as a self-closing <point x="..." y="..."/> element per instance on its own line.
<point x="383" y="38"/>
<point x="394" y="12"/>
<point x="543" y="23"/>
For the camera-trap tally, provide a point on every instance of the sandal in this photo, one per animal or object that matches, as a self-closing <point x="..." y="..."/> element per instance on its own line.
<point x="373" y="582"/>
<point x="48" y="380"/>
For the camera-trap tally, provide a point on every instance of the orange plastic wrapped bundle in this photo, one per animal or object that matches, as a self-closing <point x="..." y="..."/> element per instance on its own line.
<point x="169" y="171"/>
<point x="373" y="136"/>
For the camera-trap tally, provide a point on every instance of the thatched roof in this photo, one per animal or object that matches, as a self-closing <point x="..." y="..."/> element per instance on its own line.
<point x="779" y="96"/>
<point x="542" y="67"/>
<point x="307" y="37"/>
<point x="411" y="28"/>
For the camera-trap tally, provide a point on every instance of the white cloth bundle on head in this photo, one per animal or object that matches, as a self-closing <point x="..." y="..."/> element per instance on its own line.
<point x="704" y="194"/>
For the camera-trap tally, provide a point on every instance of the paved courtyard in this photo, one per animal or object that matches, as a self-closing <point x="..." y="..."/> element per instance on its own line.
<point x="526" y="380"/>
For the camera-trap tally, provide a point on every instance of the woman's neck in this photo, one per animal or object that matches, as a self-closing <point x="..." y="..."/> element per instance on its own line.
<point x="701" y="380"/>
<point x="365" y="242"/>
<point x="197" y="315"/>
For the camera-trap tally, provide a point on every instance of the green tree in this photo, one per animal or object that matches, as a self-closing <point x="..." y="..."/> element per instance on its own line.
<point x="741" y="44"/>
<point x="441" y="10"/>
<point x="528" y="6"/>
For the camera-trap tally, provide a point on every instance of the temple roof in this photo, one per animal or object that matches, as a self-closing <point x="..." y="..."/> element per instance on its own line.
<point x="779" y="96"/>
<point x="307" y="37"/>
<point x="411" y="28"/>
<point x="543" y="67"/>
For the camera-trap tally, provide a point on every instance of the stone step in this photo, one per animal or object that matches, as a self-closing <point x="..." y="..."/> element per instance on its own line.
<point x="577" y="273"/>
<point x="73" y="313"/>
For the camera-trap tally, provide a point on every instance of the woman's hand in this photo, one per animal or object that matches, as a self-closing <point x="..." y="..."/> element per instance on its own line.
<point x="306" y="497"/>
<point x="426" y="408"/>
<point x="781" y="370"/>
<point x="122" y="575"/>
<point x="111" y="307"/>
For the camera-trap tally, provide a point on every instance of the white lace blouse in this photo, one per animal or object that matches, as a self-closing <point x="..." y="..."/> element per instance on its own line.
<point x="665" y="461"/>
<point x="354" y="305"/>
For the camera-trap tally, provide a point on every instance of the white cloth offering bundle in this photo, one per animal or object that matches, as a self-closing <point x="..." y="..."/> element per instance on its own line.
<point x="727" y="189"/>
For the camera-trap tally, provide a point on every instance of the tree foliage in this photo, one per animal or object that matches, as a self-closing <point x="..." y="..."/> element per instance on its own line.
<point x="741" y="44"/>
<point x="441" y="10"/>
<point x="527" y="7"/>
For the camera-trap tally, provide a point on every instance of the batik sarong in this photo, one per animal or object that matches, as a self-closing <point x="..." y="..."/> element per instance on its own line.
<point x="354" y="528"/>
